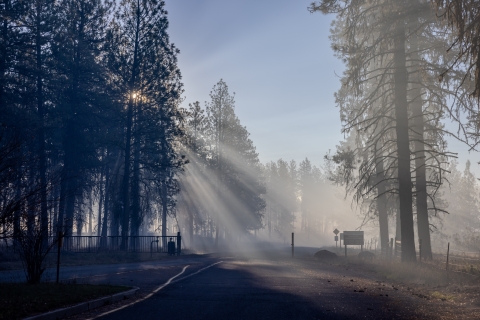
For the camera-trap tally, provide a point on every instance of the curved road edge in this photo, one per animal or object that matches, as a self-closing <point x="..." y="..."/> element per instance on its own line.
<point x="84" y="306"/>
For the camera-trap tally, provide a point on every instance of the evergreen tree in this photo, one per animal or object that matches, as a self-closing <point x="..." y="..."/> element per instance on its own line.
<point x="280" y="199"/>
<point x="464" y="17"/>
<point x="223" y="158"/>
<point x="83" y="102"/>
<point x="384" y="100"/>
<point x="146" y="65"/>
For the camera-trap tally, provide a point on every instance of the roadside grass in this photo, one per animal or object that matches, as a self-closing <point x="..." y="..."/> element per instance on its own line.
<point x="77" y="259"/>
<point x="427" y="273"/>
<point x="426" y="280"/>
<point x="11" y="261"/>
<point x="19" y="300"/>
<point x="441" y="296"/>
<point x="414" y="273"/>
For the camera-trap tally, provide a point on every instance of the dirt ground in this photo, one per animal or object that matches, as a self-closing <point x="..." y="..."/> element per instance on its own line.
<point x="429" y="290"/>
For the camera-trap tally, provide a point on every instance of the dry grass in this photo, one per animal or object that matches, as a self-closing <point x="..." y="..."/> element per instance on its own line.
<point x="18" y="300"/>
<point x="414" y="273"/>
<point x="442" y="296"/>
<point x="12" y="261"/>
<point x="431" y="274"/>
<point x="428" y="281"/>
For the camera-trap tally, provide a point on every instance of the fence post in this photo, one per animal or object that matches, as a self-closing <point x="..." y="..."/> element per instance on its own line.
<point x="179" y="243"/>
<point x="151" y="247"/>
<point x="293" y="245"/>
<point x="448" y="252"/>
<point x="395" y="247"/>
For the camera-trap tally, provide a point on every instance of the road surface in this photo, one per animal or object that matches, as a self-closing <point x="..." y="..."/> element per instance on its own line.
<point x="270" y="288"/>
<point x="83" y="272"/>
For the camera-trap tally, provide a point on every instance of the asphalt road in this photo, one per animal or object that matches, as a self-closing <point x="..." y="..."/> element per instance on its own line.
<point x="85" y="272"/>
<point x="262" y="284"/>
<point x="240" y="288"/>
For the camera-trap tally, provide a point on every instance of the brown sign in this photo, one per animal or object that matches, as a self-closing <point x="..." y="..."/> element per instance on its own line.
<point x="353" y="238"/>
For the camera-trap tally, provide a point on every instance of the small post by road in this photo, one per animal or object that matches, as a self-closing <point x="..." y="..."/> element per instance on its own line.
<point x="336" y="232"/>
<point x="345" y="249"/>
<point x="448" y="252"/>
<point x="396" y="246"/>
<point x="179" y="243"/>
<point x="59" y="248"/>
<point x="151" y="247"/>
<point x="293" y="245"/>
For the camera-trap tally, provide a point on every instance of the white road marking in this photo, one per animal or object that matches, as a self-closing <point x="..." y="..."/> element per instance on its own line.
<point x="156" y="290"/>
<point x="197" y="272"/>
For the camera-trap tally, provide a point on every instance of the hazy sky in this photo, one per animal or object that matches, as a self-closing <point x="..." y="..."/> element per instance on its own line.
<point x="276" y="57"/>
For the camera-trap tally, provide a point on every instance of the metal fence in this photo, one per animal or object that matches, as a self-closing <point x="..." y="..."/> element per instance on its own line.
<point x="459" y="261"/>
<point x="155" y="244"/>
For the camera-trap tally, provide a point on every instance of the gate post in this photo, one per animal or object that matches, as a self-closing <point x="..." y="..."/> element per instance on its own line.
<point x="293" y="245"/>
<point x="179" y="243"/>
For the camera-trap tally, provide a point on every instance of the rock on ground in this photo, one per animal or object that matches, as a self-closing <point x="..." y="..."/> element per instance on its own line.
<point x="325" y="255"/>
<point x="366" y="255"/>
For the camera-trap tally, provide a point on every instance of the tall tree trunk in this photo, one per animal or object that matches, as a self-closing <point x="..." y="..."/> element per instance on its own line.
<point x="106" y="202"/>
<point x="403" y="149"/>
<point x="126" y="180"/>
<point x="70" y="176"/>
<point x="115" y="194"/>
<point x="70" y="141"/>
<point x="420" y="168"/>
<point x="80" y="219"/>
<point x="62" y="201"/>
<point x="128" y="136"/>
<point x="32" y="199"/>
<point x="90" y="214"/>
<point x="381" y="202"/>
<point x="3" y="55"/>
<point x="117" y="212"/>
<point x="101" y="188"/>
<point x="18" y="210"/>
<point x="42" y="168"/>
<point x="72" y="186"/>
<point x="221" y="178"/>
<point x="164" y="210"/>
<point x="56" y="196"/>
<point x="135" y="217"/>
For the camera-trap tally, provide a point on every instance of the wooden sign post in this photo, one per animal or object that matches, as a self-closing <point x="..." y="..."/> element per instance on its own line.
<point x="336" y="236"/>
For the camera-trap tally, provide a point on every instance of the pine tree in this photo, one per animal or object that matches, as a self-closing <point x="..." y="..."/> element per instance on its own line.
<point x="146" y="65"/>
<point x="82" y="99"/>
<point x="390" y="97"/>
<point x="464" y="17"/>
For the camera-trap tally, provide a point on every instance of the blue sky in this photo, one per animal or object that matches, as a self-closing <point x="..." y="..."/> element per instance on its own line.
<point x="276" y="57"/>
